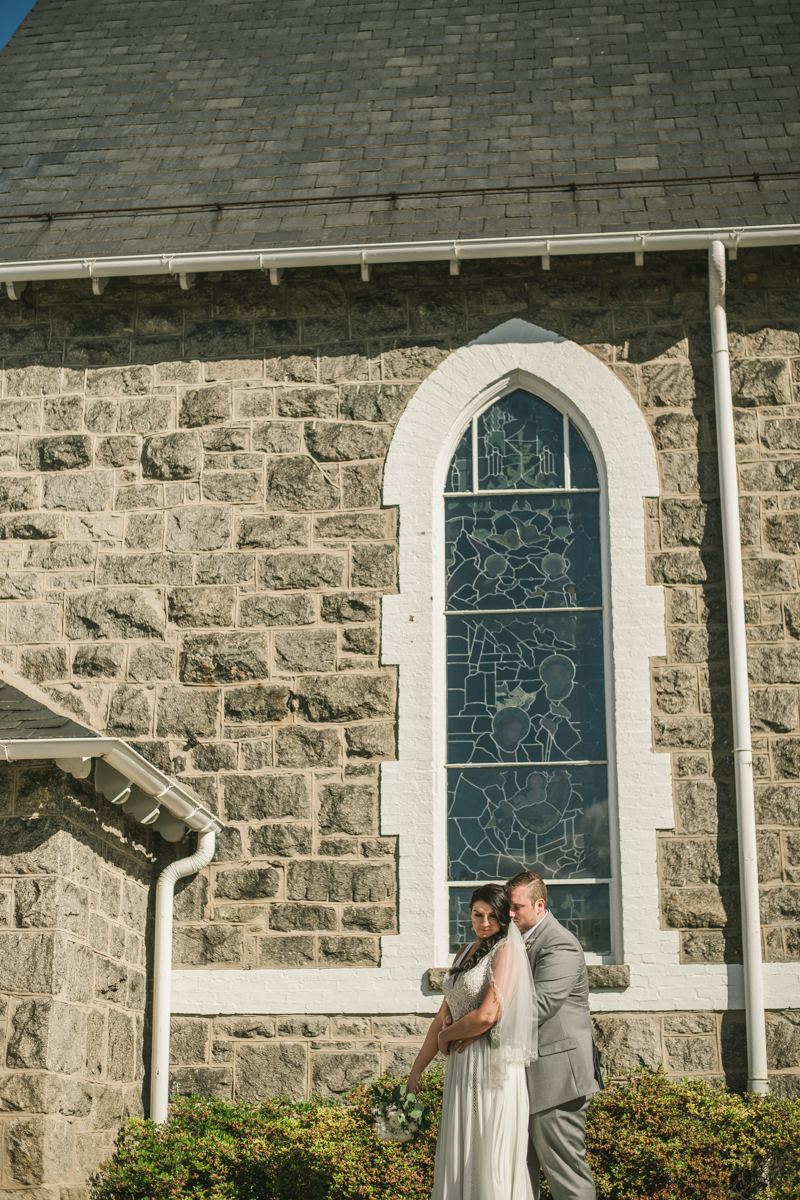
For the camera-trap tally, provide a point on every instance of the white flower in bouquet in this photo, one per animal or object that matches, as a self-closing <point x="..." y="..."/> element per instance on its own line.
<point x="390" y="1127"/>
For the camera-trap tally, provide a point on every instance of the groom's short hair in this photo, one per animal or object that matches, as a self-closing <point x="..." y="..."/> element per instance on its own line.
<point x="537" y="889"/>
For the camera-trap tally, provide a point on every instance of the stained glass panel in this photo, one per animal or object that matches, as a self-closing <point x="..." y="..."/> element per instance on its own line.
<point x="520" y="444"/>
<point x="525" y="689"/>
<point x="459" y="475"/>
<point x="552" y="820"/>
<point x="584" y="909"/>
<point x="523" y="552"/>
<point x="583" y="472"/>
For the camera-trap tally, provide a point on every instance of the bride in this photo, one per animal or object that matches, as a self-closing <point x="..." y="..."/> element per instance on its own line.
<point x="483" y="1134"/>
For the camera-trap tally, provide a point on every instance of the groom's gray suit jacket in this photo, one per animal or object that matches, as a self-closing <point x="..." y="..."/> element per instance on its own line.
<point x="565" y="1068"/>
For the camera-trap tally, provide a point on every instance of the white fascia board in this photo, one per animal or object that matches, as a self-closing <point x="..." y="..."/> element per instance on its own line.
<point x="365" y="253"/>
<point x="178" y="800"/>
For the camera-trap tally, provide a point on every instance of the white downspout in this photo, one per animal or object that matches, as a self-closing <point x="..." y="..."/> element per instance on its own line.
<point x="162" y="970"/>
<point x="757" y="1080"/>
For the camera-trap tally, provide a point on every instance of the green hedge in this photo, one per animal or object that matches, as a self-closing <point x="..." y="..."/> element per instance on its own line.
<point x="653" y="1139"/>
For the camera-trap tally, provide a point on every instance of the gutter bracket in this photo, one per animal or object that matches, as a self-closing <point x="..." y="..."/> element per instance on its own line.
<point x="275" y="275"/>
<point x="186" y="280"/>
<point x="15" y="289"/>
<point x="366" y="268"/>
<point x="546" y="257"/>
<point x="455" y="265"/>
<point x="99" y="285"/>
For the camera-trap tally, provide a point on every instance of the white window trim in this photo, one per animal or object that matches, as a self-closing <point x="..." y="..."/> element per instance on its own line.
<point x="516" y="354"/>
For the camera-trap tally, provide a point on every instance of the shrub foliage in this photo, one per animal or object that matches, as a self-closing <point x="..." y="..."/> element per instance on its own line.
<point x="652" y="1139"/>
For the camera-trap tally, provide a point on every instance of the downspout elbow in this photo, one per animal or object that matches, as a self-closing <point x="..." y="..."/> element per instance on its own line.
<point x="162" y="969"/>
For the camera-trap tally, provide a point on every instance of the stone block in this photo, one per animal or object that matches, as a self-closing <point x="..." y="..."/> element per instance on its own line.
<point x="352" y="697"/>
<point x="349" y="607"/>
<point x="354" y="526"/>
<point x="625" y="1043"/>
<point x="681" y="733"/>
<point x="690" y="523"/>
<point x="378" y="847"/>
<point x="187" y="712"/>
<point x="306" y="402"/>
<point x="691" y="861"/>
<point x="374" y="565"/>
<point x="780" y="904"/>
<point x="705" y="807"/>
<point x="130" y="711"/>
<point x="144" y="569"/>
<point x="700" y="907"/>
<point x="331" y="441"/>
<point x="114" y="613"/>
<point x="191" y="898"/>
<point x="375" y="401"/>
<point x="205" y="405"/>
<point x="256" y="754"/>
<point x="688" y="472"/>
<point x="36" y="1150"/>
<point x="263" y="1071"/>
<point x="288" y="918"/>
<point x="337" y="847"/>
<point x="51" y="903"/>
<point x="348" y="808"/>
<point x="220" y="757"/>
<point x="777" y="805"/>
<point x="315" y="570"/>
<point x="783" y="434"/>
<point x="213" y="1083"/>
<point x="193" y="607"/>
<point x="232" y="487"/>
<point x="19" y="495"/>
<point x="39" y="846"/>
<point x="34" y="623"/>
<point x="768" y="575"/>
<point x="141" y="495"/>
<point x="334" y="1074"/>
<point x="760" y="382"/>
<point x="228" y="568"/>
<point x="59" y="556"/>
<point x="257" y="704"/>
<point x="779" y="476"/>
<point x="361" y="485"/>
<point x="676" y="431"/>
<point x="786" y="758"/>
<point x="286" y="953"/>
<point x="782" y="531"/>
<point x="676" y="689"/>
<point x="247" y="883"/>
<point x="277" y="437"/>
<point x="201" y="946"/>
<point x="31" y="962"/>
<point x="144" y="531"/>
<point x="340" y="882"/>
<point x="46" y="1035"/>
<point x="365" y="641"/>
<point x="369" y="918"/>
<point x="276" y="610"/>
<point x="272" y="533"/>
<point x="680" y="567"/>
<point x="692" y="1055"/>
<point x="711" y="946"/>
<point x="295" y="483"/>
<point x="89" y="491"/>
<point x="786" y="1085"/>
<point x="255" y="1027"/>
<point x="774" y="710"/>
<point x="284" y="840"/>
<point x="117" y="451"/>
<point x="611" y="977"/>
<point x="119" y="381"/>
<point x="20" y="414"/>
<point x="71" y="452"/>
<point x="32" y="528"/>
<point x="151" y="662"/>
<point x="266" y="797"/>
<point x="783" y="1040"/>
<point x="172" y="456"/>
<point x="198" y="528"/>
<point x="41" y="1093"/>
<point x="304" y="1027"/>
<point x="49" y="662"/>
<point x="774" y="664"/>
<point x="311" y="651"/>
<point x="188" y="1042"/>
<point x="305" y="746"/>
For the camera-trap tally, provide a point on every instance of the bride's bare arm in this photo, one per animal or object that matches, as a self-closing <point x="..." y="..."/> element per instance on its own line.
<point x="430" y="1047"/>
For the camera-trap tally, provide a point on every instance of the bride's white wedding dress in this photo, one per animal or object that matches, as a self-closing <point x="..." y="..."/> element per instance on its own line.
<point x="482" y="1146"/>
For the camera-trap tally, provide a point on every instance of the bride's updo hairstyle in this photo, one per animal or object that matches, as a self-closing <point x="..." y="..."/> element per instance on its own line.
<point x="490" y="893"/>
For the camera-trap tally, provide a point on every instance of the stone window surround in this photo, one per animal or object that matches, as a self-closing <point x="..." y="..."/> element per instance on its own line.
<point x="516" y="354"/>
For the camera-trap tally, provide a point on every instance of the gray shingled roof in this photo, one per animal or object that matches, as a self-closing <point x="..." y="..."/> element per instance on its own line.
<point x="22" y="716"/>
<point x="108" y="103"/>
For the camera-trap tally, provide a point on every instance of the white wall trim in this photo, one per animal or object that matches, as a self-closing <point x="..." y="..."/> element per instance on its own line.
<point x="412" y="789"/>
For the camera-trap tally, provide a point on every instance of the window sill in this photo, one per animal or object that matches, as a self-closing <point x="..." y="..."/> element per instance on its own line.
<point x="612" y="976"/>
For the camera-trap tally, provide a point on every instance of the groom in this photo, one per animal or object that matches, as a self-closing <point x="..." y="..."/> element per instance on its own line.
<point x="566" y="1073"/>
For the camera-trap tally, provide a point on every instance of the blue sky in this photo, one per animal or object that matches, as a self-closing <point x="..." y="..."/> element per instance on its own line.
<point x="11" y="13"/>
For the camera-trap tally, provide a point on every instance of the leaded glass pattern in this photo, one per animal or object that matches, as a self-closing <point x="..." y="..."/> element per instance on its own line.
<point x="526" y="718"/>
<point x="584" y="909"/>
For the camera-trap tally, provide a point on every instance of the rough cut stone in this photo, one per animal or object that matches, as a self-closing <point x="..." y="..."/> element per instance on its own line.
<point x="197" y="606"/>
<point x="348" y="808"/>
<point x="676" y="689"/>
<point x="130" y="712"/>
<point x="705" y="807"/>
<point x="247" y="883"/>
<point x="49" y="662"/>
<point x="346" y="698"/>
<point x="374" y="566"/>
<point x="361" y="485"/>
<point x="360" y="641"/>
<point x="46" y="1035"/>
<point x="281" y="571"/>
<point x="625" y="1043"/>
<point x="334" y="1074"/>
<point x="307" y="651"/>
<point x="676" y="431"/>
<point x="774" y="710"/>
<point x="227" y="567"/>
<point x="68" y="453"/>
<point x="345" y="607"/>
<point x="117" y="451"/>
<point x="286" y="953"/>
<point x="691" y="861"/>
<point x="295" y="483"/>
<point x="199" y="528"/>
<point x="306" y="402"/>
<point x="375" y="401"/>
<point x="768" y="575"/>
<point x="173" y="456"/>
<point x="285" y="918"/>
<point x="34" y="623"/>
<point x="782" y="531"/>
<point x="144" y="569"/>
<point x="684" y="732"/>
<point x="32" y="961"/>
<point x="270" y="1070"/>
<point x="277" y="437"/>
<point x="343" y="442"/>
<point x="266" y="797"/>
<point x="199" y="946"/>
<point x="272" y="533"/>
<point x="17" y="495"/>
<point x="205" y="405"/>
<point x="690" y="522"/>
<point x="370" y="918"/>
<point x="232" y="487"/>
<point x="214" y="1083"/>
<point x="89" y="491"/>
<point x="151" y="662"/>
<point x="338" y="882"/>
<point x="223" y="658"/>
<point x="757" y="382"/>
<point x="187" y="712"/>
<point x="305" y="746"/>
<point x="700" y="908"/>
<point x="257" y="703"/>
<point x="144" y="531"/>
<point x="117" y="613"/>
<point x="276" y="610"/>
<point x="774" y="664"/>
<point x="286" y="840"/>
<point x="777" y="805"/>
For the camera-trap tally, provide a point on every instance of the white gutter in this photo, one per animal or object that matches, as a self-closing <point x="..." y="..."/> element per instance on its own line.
<point x="757" y="1079"/>
<point x="178" y="800"/>
<point x="162" y="970"/>
<point x="274" y="260"/>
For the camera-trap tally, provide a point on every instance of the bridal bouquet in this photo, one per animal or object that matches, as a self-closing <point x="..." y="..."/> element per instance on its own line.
<point x="399" y="1115"/>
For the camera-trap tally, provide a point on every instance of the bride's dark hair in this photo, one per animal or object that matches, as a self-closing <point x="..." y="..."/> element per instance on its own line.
<point x="490" y="893"/>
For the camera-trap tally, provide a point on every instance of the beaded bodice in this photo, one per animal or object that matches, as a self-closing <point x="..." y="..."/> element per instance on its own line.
<point x="464" y="992"/>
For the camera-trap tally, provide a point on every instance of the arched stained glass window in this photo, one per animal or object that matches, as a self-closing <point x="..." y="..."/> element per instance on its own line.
<point x="527" y="761"/>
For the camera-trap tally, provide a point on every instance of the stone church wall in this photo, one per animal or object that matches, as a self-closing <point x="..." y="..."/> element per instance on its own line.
<point x="193" y="552"/>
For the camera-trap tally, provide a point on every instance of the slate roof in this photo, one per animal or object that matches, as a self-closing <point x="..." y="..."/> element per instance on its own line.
<point x="109" y="103"/>
<point x="22" y="716"/>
